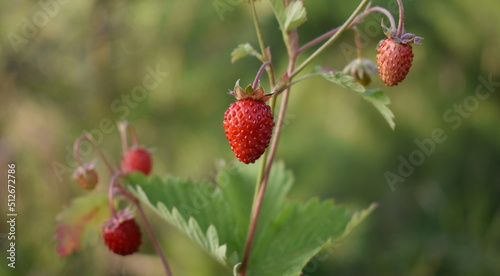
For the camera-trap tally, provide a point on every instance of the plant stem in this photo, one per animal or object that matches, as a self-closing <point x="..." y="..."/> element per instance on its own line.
<point x="154" y="240"/>
<point x="111" y="194"/>
<point x="358" y="41"/>
<point x="331" y="40"/>
<point x="149" y="230"/>
<point x="291" y="42"/>
<point x="122" y="127"/>
<point x="89" y="138"/>
<point x="266" y="165"/>
<point x="401" y="19"/>
<point x="259" y="74"/>
<point x="386" y="13"/>
<point x="354" y="22"/>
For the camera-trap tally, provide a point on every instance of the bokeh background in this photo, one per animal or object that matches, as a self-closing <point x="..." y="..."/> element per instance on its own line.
<point x="67" y="67"/>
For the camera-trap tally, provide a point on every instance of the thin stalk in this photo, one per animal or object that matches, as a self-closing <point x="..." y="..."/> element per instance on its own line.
<point x="401" y="19"/>
<point x="258" y="200"/>
<point x="331" y="40"/>
<point x="354" y="22"/>
<point x="122" y="126"/>
<point x="89" y="138"/>
<point x="358" y="41"/>
<point x="149" y="229"/>
<point x="270" y="72"/>
<point x="111" y="194"/>
<point x="259" y="74"/>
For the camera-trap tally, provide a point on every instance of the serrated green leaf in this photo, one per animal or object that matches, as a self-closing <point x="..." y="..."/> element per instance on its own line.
<point x="241" y="51"/>
<point x="295" y="15"/>
<point x="288" y="235"/>
<point x="341" y="79"/>
<point x="376" y="97"/>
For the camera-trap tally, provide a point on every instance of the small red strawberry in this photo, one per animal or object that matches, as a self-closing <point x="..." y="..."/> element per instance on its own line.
<point x="248" y="123"/>
<point x="395" y="55"/>
<point x="137" y="159"/>
<point x="86" y="176"/>
<point x="122" y="235"/>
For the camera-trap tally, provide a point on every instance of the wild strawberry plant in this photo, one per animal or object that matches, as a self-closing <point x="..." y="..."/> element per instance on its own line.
<point x="264" y="235"/>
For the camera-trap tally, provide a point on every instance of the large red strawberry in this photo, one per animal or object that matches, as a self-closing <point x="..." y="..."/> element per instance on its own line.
<point x="122" y="235"/>
<point x="395" y="56"/>
<point x="248" y="123"/>
<point x="137" y="159"/>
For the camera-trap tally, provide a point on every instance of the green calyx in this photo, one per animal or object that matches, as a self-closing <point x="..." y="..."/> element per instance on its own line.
<point x="249" y="93"/>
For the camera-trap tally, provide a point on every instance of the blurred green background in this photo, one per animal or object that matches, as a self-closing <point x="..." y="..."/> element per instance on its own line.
<point x="67" y="67"/>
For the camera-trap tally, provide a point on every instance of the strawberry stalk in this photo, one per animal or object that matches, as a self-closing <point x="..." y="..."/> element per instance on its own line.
<point x="117" y="186"/>
<point x="89" y="138"/>
<point x="401" y="25"/>
<point x="357" y="20"/>
<point x="259" y="74"/>
<point x="291" y="41"/>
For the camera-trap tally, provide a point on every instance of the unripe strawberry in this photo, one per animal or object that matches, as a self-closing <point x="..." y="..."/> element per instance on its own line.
<point x="86" y="176"/>
<point x="122" y="235"/>
<point x="248" y="123"/>
<point x="361" y="69"/>
<point x="137" y="159"/>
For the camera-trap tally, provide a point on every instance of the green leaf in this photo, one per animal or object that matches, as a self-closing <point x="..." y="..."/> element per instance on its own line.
<point x="241" y="51"/>
<point x="80" y="223"/>
<point x="340" y="78"/>
<point x="295" y="15"/>
<point x="376" y="97"/>
<point x="216" y="217"/>
<point x="279" y="11"/>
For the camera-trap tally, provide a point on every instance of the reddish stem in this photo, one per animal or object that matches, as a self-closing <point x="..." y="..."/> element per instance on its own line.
<point x="401" y="19"/>
<point x="274" y="145"/>
<point x="149" y="230"/>
<point x="354" y="22"/>
<point x="87" y="137"/>
<point x="259" y="74"/>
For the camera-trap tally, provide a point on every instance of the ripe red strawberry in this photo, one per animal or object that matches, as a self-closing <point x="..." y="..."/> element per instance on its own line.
<point x="122" y="235"/>
<point x="395" y="55"/>
<point x="248" y="123"/>
<point x="137" y="159"/>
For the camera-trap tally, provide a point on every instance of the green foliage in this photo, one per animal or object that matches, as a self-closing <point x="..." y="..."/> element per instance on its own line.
<point x="80" y="223"/>
<point x="241" y="51"/>
<point x="376" y="97"/>
<point x="289" y="17"/>
<point x="216" y="217"/>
